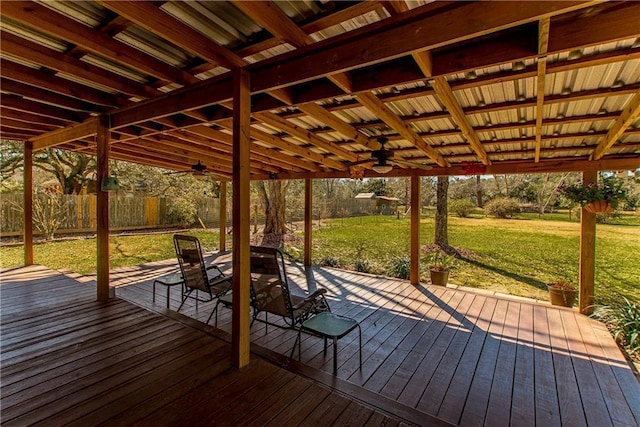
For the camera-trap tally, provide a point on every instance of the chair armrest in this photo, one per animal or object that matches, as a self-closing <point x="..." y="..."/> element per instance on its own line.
<point x="214" y="267"/>
<point x="318" y="293"/>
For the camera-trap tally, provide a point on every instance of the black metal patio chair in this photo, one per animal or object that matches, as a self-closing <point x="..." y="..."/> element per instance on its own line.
<point x="270" y="292"/>
<point x="198" y="277"/>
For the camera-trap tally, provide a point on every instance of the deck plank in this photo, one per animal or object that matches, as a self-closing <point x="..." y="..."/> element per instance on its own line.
<point x="456" y="354"/>
<point x="80" y="362"/>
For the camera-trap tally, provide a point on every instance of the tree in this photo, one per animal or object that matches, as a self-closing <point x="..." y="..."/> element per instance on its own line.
<point x="378" y="186"/>
<point x="272" y="195"/>
<point x="441" y="238"/>
<point x="72" y="170"/>
<point x="11" y="158"/>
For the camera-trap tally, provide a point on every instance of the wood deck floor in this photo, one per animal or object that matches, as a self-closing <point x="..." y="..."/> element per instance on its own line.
<point x="69" y="360"/>
<point x="468" y="358"/>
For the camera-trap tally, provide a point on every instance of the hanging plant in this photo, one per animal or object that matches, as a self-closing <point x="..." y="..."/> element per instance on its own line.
<point x="601" y="197"/>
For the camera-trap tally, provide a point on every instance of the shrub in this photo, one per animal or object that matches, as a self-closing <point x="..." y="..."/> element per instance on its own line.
<point x="461" y="207"/>
<point x="330" y="261"/>
<point x="502" y="207"/>
<point x="623" y="320"/>
<point x="183" y="212"/>
<point x="399" y="266"/>
<point x="362" y="265"/>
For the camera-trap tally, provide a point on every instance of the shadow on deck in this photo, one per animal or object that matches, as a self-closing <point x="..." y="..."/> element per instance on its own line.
<point x="467" y="358"/>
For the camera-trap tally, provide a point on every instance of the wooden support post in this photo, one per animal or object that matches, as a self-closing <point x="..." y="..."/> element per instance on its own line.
<point x="102" y="208"/>
<point x="414" y="275"/>
<point x="308" y="220"/>
<point x="28" y="203"/>
<point x="240" y="341"/>
<point x="223" y="216"/>
<point x="587" y="252"/>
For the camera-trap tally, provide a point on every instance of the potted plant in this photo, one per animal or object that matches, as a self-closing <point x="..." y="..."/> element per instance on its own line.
<point x="562" y="293"/>
<point x="601" y="197"/>
<point x="439" y="266"/>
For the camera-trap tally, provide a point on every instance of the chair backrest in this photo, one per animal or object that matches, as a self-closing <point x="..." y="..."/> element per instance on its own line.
<point x="189" y="253"/>
<point x="269" y="286"/>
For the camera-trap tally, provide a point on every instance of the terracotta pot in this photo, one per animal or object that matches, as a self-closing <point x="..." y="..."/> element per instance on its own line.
<point x="562" y="297"/>
<point x="601" y="206"/>
<point x="439" y="278"/>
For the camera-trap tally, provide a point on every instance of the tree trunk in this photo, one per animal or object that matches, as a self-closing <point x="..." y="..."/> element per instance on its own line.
<point x="272" y="196"/>
<point x="478" y="192"/>
<point x="441" y="237"/>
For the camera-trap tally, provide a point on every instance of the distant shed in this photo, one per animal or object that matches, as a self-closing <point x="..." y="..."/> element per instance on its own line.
<point x="369" y="203"/>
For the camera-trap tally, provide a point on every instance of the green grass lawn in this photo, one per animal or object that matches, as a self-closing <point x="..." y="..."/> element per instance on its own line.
<point x="79" y="255"/>
<point x="516" y="256"/>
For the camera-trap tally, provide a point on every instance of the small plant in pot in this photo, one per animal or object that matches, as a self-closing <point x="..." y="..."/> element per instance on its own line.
<point x="439" y="266"/>
<point x="562" y="293"/>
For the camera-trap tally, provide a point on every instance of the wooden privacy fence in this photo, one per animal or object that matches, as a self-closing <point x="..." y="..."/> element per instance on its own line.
<point x="78" y="213"/>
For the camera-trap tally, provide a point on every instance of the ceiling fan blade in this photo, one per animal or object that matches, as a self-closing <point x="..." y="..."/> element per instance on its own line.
<point x="174" y="172"/>
<point x="362" y="162"/>
<point x="412" y="164"/>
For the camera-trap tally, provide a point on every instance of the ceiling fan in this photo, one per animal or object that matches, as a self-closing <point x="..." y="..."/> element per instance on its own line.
<point x="198" y="170"/>
<point x="384" y="159"/>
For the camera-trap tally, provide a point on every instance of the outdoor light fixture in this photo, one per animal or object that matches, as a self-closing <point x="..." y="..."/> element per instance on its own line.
<point x="575" y="54"/>
<point x="109" y="183"/>
<point x="382" y="167"/>
<point x="518" y="66"/>
<point x="199" y="175"/>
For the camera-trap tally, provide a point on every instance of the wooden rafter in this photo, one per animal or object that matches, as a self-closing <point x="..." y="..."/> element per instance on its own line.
<point x="150" y="17"/>
<point x="61" y="62"/>
<point x="58" y="25"/>
<point x="299" y="132"/>
<point x="629" y="114"/>
<point x="445" y="95"/>
<point x="290" y="147"/>
<point x="361" y="47"/>
<point x="322" y="114"/>
<point x="269" y="15"/>
<point x="43" y="80"/>
<point x="377" y="107"/>
<point x="71" y="133"/>
<point x="543" y="46"/>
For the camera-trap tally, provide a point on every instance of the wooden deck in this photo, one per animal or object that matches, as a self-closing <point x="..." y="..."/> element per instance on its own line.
<point x="69" y="360"/>
<point x="468" y="358"/>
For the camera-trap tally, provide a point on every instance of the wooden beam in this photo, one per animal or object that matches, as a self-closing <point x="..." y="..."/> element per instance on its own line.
<point x="304" y="134"/>
<point x="71" y="133"/>
<point x="546" y="165"/>
<point x="290" y="147"/>
<point x="308" y="221"/>
<point x="240" y="340"/>
<point x="26" y="105"/>
<point x="323" y="115"/>
<point x="58" y="25"/>
<point x="269" y="15"/>
<point x="48" y="97"/>
<point x="414" y="274"/>
<point x="28" y="117"/>
<point x="428" y="31"/>
<point x="445" y="94"/>
<point x="28" y="203"/>
<point x="377" y="107"/>
<point x="102" y="171"/>
<point x="54" y="60"/>
<point x="153" y="19"/>
<point x="587" y="252"/>
<point x="543" y="46"/>
<point x="223" y="216"/>
<point x="46" y="81"/>
<point x="629" y="114"/>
